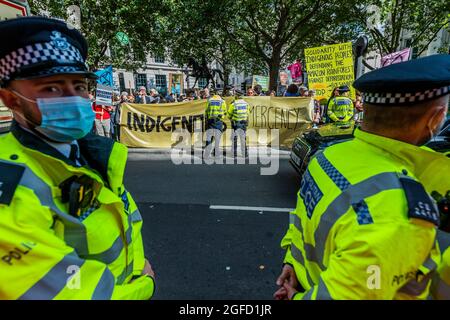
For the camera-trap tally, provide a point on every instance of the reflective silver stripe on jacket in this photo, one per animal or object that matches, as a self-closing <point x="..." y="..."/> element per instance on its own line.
<point x="298" y="256"/>
<point x="74" y="230"/>
<point x="125" y="273"/>
<point x="339" y="206"/>
<point x="49" y="286"/>
<point x="105" y="286"/>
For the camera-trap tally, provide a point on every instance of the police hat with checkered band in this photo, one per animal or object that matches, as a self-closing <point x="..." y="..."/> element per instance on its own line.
<point x="407" y="83"/>
<point x="35" y="47"/>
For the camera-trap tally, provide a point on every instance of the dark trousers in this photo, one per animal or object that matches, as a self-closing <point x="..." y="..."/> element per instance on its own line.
<point x="214" y="130"/>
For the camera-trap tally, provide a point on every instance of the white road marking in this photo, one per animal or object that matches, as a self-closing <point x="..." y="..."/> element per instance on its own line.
<point x="245" y="208"/>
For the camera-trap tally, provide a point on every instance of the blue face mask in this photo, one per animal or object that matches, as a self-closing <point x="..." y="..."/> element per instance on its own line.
<point x="64" y="119"/>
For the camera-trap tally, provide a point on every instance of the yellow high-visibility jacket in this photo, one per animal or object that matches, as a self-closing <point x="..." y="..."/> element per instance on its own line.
<point x="364" y="227"/>
<point x="46" y="253"/>
<point x="340" y="109"/>
<point x="440" y="286"/>
<point x="216" y="108"/>
<point x="238" y="111"/>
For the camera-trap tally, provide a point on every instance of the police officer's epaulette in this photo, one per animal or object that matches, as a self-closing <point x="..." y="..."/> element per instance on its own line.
<point x="10" y="175"/>
<point x="420" y="204"/>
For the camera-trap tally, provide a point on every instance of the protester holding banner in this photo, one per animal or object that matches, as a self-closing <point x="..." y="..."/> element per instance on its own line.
<point x="154" y="96"/>
<point x="204" y="94"/>
<point x="292" y="91"/>
<point x="317" y="109"/>
<point x="142" y="97"/>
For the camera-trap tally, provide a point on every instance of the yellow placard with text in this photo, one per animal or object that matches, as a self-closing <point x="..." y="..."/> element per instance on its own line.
<point x="330" y="67"/>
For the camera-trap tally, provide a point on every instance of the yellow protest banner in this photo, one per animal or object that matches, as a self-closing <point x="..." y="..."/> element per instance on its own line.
<point x="329" y="67"/>
<point x="155" y="125"/>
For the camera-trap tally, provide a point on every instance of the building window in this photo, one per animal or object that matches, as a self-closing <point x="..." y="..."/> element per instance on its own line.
<point x="141" y="80"/>
<point x="161" y="83"/>
<point x="159" y="59"/>
<point x="202" y="82"/>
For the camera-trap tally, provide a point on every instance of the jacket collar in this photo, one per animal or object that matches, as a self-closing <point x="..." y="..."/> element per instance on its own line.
<point x="424" y="163"/>
<point x="94" y="149"/>
<point x="34" y="142"/>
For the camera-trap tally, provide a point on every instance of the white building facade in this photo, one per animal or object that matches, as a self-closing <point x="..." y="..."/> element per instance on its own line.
<point x="159" y="73"/>
<point x="164" y="76"/>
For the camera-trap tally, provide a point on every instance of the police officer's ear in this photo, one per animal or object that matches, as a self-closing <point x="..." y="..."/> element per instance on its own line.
<point x="9" y="99"/>
<point x="436" y="117"/>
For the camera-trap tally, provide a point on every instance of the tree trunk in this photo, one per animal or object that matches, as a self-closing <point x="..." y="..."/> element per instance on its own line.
<point x="274" y="68"/>
<point x="226" y="76"/>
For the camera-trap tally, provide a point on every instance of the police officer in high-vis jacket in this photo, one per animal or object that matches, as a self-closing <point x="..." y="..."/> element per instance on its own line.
<point x="68" y="227"/>
<point x="216" y="110"/>
<point x="340" y="108"/>
<point x="238" y="114"/>
<point x="365" y="225"/>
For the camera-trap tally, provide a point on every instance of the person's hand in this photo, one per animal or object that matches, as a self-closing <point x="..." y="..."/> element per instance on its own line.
<point x="148" y="269"/>
<point x="287" y="276"/>
<point x="290" y="291"/>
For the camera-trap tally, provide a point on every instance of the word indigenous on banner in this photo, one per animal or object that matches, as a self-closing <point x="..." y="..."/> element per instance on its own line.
<point x="151" y="126"/>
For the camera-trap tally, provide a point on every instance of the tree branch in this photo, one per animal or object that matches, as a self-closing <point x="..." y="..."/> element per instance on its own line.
<point x="426" y="28"/>
<point x="233" y="38"/>
<point x="381" y="42"/>
<point x="284" y="13"/>
<point x="431" y="40"/>
<point x="302" y="21"/>
<point x="258" y="28"/>
<point x="395" y="28"/>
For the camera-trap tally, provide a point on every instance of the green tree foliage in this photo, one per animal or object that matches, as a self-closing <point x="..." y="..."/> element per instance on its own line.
<point x="193" y="29"/>
<point x="257" y="36"/>
<point x="100" y="22"/>
<point x="277" y="31"/>
<point x="388" y="20"/>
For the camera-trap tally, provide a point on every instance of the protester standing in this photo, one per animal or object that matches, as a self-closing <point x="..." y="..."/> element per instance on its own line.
<point x="154" y="96"/>
<point x="291" y="91"/>
<point x="250" y="92"/>
<point x="102" y="120"/>
<point x="359" y="111"/>
<point x="142" y="97"/>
